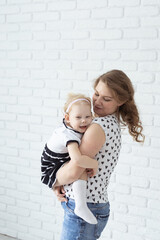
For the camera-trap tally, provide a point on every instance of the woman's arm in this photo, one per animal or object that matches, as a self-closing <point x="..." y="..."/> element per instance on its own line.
<point x="92" y="141"/>
<point x="80" y="160"/>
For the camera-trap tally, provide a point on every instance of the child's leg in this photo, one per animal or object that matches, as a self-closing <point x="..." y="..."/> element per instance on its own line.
<point x="69" y="173"/>
<point x="81" y="208"/>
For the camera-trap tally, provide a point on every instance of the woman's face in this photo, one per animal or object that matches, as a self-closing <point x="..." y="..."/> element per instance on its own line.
<point x="103" y="100"/>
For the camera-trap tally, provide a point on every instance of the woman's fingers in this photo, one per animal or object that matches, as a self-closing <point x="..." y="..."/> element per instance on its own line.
<point x="60" y="193"/>
<point x="90" y="172"/>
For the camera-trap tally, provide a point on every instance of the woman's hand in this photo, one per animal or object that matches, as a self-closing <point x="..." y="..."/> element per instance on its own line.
<point x="60" y="193"/>
<point x="91" y="172"/>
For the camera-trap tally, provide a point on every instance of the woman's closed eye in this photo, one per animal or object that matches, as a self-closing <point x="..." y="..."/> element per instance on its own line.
<point x="107" y="99"/>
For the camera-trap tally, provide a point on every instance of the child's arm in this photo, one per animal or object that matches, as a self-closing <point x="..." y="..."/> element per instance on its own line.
<point x="81" y="160"/>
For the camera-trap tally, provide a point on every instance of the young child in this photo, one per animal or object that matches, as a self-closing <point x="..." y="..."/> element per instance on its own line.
<point x="63" y="146"/>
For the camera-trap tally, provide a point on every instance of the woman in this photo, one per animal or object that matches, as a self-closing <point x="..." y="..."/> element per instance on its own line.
<point x="113" y="104"/>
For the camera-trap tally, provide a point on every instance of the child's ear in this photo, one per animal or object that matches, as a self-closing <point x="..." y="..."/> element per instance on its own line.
<point x="66" y="117"/>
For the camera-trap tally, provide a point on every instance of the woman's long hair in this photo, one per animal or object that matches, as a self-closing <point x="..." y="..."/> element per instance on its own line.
<point x="123" y="92"/>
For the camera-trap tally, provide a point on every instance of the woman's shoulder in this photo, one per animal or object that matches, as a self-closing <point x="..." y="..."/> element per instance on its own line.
<point x="106" y="119"/>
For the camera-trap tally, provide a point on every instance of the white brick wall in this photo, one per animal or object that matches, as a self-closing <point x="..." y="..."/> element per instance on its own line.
<point x="47" y="49"/>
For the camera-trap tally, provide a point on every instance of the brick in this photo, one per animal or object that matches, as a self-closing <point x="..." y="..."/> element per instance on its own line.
<point x="157" y="121"/>
<point x="82" y="4"/>
<point x="59" y="45"/>
<point x="19" y="55"/>
<point x="58" y="65"/>
<point x="149" y="67"/>
<point x="90" y="24"/>
<point x="149" y="44"/>
<point x="75" y="55"/>
<point x="127" y="22"/>
<point x="75" y="14"/>
<point x="57" y="5"/>
<point x="38" y="7"/>
<point x="6" y="46"/>
<point x="148" y="2"/>
<point x="16" y="210"/>
<point x="19" y="18"/>
<point x="28" y="136"/>
<point x="149" y="172"/>
<point x="10" y="151"/>
<point x="117" y="3"/>
<point x="141" y="11"/>
<point x="119" y="44"/>
<point x="31" y="45"/>
<point x="45" y="16"/>
<point x="16" y="73"/>
<point x="140" y="33"/>
<point x="6" y="27"/>
<point x="118" y="226"/>
<point x="90" y="65"/>
<point x="43" y="73"/>
<point x="149" y="88"/>
<point x="130" y="219"/>
<point x="153" y="204"/>
<point x="86" y="44"/>
<point x="107" y="13"/>
<point x="29" y="222"/>
<point x="19" y="1"/>
<point x="60" y="25"/>
<point x="144" y="99"/>
<point x="124" y="65"/>
<point x="103" y="55"/>
<point x="18" y="109"/>
<point x="133" y="181"/>
<point x="46" y="36"/>
<point x="106" y="34"/>
<point x="30" y="100"/>
<point x="29" y="26"/>
<point x="3" y="37"/>
<point x="74" y="35"/>
<point x="72" y="74"/>
<point x="8" y="99"/>
<point x="9" y="9"/>
<point x="8" y="133"/>
<point x="150" y="21"/>
<point x="139" y="56"/>
<point x="19" y="195"/>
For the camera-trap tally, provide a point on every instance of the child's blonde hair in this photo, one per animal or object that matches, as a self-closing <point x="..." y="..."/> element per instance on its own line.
<point x="73" y="97"/>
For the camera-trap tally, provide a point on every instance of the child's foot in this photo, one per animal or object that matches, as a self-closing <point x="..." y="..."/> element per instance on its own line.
<point x="86" y="214"/>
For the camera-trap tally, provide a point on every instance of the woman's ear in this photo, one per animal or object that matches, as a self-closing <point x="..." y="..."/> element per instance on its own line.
<point x="66" y="117"/>
<point x="121" y="103"/>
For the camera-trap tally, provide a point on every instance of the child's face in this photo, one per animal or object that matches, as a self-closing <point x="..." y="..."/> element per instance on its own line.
<point x="80" y="117"/>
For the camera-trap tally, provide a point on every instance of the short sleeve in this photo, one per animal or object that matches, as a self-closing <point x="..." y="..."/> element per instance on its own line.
<point x="72" y="136"/>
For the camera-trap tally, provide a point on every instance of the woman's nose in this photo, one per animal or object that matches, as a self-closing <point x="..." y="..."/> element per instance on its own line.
<point x="98" y="101"/>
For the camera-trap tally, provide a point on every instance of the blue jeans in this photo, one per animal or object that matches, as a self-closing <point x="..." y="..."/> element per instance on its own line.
<point x="75" y="228"/>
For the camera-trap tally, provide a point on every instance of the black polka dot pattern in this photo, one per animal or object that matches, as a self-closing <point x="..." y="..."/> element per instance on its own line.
<point x="107" y="159"/>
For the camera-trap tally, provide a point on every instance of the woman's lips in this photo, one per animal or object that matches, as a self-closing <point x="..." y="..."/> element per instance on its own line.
<point x="97" y="107"/>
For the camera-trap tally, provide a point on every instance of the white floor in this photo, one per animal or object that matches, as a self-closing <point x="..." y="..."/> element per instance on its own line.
<point x="4" y="237"/>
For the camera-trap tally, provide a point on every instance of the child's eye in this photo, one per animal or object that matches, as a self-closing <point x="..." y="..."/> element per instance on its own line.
<point x="88" y="116"/>
<point x="78" y="117"/>
<point x="107" y="100"/>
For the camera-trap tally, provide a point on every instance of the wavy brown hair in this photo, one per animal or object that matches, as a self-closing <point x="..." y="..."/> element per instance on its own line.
<point x="122" y="89"/>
